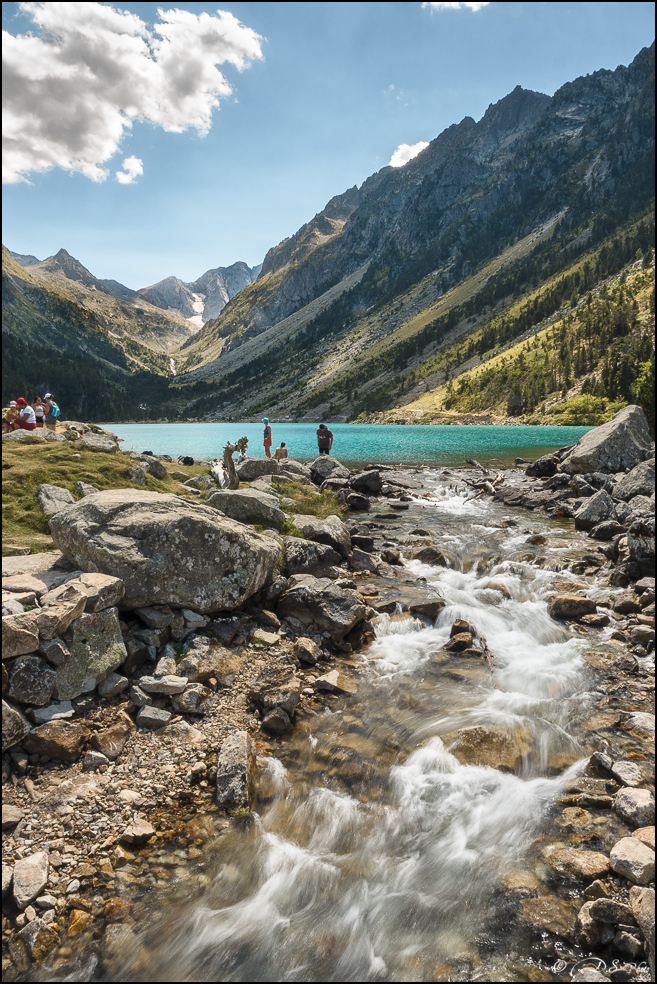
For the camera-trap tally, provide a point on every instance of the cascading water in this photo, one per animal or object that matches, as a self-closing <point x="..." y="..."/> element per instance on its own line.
<point x="376" y="853"/>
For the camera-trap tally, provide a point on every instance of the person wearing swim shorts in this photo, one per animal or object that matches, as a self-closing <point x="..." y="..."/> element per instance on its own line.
<point x="267" y="437"/>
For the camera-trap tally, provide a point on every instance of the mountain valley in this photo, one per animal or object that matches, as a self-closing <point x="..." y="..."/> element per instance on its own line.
<point x="529" y="231"/>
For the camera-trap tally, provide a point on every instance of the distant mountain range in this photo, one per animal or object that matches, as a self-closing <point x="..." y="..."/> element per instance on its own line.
<point x="196" y="302"/>
<point x="398" y="291"/>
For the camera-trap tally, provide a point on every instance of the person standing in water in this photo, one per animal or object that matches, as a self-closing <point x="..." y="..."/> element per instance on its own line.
<point x="267" y="439"/>
<point x="324" y="439"/>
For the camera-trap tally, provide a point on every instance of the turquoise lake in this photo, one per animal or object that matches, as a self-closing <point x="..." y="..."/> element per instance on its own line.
<point x="356" y="444"/>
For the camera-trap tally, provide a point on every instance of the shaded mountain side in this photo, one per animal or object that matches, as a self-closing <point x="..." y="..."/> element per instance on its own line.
<point x="121" y="310"/>
<point x="51" y="343"/>
<point x="476" y="189"/>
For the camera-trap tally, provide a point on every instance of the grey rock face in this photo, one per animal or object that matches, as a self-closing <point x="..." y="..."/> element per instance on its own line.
<point x="247" y="506"/>
<point x="20" y="634"/>
<point x="236" y="772"/>
<point x="83" y="488"/>
<point x="163" y="685"/>
<point x="639" y="481"/>
<point x="308" y="557"/>
<point x="635" y="806"/>
<point x="53" y="498"/>
<point x="633" y="860"/>
<point x="368" y="482"/>
<point x="331" y="531"/>
<point x="154" y="466"/>
<point x="167" y="550"/>
<point x="31" y="680"/>
<point x="100" y="442"/>
<point x="152" y="717"/>
<point x="276" y="686"/>
<point x="254" y="468"/>
<point x="30" y="878"/>
<point x="621" y="443"/>
<point x="595" y="510"/>
<point x="14" y="726"/>
<point x="317" y="601"/>
<point x="95" y="648"/>
<point x="324" y="467"/>
<point x="543" y="467"/>
<point x="137" y="475"/>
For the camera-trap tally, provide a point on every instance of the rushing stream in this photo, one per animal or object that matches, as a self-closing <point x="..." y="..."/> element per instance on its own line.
<point x="374" y="854"/>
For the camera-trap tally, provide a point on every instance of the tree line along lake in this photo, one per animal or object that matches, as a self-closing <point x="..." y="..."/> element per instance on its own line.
<point x="356" y="444"/>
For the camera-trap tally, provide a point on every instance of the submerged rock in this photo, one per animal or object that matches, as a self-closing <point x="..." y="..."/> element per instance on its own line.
<point x="167" y="550"/>
<point x="495" y="747"/>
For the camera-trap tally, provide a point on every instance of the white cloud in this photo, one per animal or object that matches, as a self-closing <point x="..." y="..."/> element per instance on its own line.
<point x="406" y="152"/>
<point x="70" y="93"/>
<point x="131" y="168"/>
<point x="457" y="6"/>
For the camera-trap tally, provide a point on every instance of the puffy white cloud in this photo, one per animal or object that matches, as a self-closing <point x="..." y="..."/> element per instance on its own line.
<point x="457" y="6"/>
<point x="70" y="92"/>
<point x="131" y="168"/>
<point x="406" y="152"/>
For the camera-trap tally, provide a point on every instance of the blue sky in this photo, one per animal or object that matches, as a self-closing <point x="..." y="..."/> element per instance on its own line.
<point x="338" y="87"/>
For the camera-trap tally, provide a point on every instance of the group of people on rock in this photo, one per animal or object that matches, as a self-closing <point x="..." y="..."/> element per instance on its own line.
<point x="21" y="415"/>
<point x="324" y="442"/>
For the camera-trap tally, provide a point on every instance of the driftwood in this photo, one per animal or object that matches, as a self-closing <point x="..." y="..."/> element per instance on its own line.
<point x="485" y="485"/>
<point x="229" y="465"/>
<point x="476" y="464"/>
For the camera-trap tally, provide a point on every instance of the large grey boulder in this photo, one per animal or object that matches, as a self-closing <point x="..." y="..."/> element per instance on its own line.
<point x="331" y="531"/>
<point x="308" y="557"/>
<point x="100" y="442"/>
<point x="247" y="506"/>
<point x="595" y="510"/>
<point x="318" y="601"/>
<point x="53" y="498"/>
<point x="95" y="648"/>
<point x="166" y="550"/>
<point x="620" y="444"/>
<point x="253" y="468"/>
<point x="325" y="465"/>
<point x="367" y="482"/>
<point x="639" y="481"/>
<point x="236" y="769"/>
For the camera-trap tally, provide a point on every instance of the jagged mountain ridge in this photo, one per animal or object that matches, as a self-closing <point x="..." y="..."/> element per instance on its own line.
<point x="205" y="298"/>
<point x="475" y="189"/>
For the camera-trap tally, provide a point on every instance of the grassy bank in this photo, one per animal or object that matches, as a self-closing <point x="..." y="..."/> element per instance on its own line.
<point x="26" y="465"/>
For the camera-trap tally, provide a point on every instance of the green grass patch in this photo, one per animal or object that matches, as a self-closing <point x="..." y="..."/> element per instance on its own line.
<point x="307" y="503"/>
<point x="30" y="463"/>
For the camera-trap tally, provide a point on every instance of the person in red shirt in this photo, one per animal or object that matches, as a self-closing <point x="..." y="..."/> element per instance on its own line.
<point x="26" y="419"/>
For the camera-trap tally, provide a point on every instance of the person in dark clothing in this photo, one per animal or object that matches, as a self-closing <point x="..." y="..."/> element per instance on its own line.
<point x="324" y="439"/>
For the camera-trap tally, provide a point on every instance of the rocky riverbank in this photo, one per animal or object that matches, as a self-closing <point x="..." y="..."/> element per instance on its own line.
<point x="168" y="642"/>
